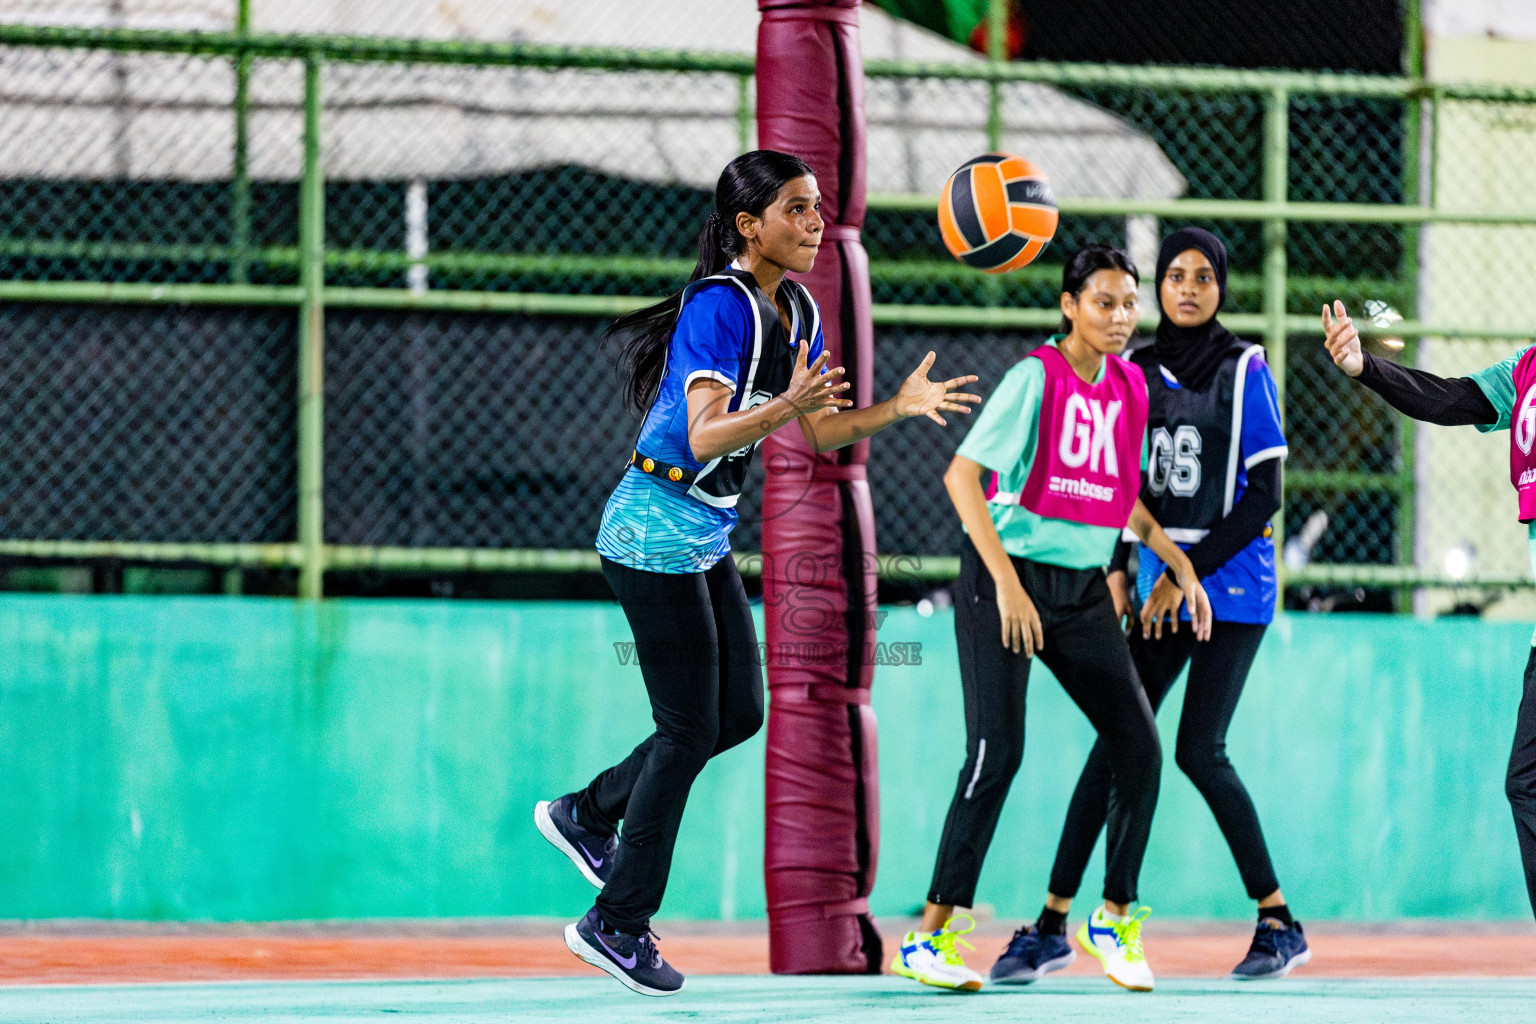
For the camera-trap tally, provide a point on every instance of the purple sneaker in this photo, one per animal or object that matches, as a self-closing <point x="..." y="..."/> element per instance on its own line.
<point x="1276" y="951"/>
<point x="590" y="852"/>
<point x="633" y="959"/>
<point x="1031" y="955"/>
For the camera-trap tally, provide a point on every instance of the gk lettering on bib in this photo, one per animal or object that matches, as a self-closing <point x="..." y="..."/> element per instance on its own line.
<point x="1087" y="466"/>
<point x="1522" y="436"/>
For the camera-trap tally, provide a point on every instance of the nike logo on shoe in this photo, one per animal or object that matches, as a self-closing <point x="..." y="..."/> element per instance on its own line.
<point x="628" y="964"/>
<point x="1094" y="933"/>
<point x="596" y="862"/>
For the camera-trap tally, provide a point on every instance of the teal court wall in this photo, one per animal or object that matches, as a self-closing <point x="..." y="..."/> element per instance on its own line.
<point x="249" y="758"/>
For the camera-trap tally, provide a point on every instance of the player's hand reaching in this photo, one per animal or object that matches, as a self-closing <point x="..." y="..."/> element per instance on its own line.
<point x="1343" y="339"/>
<point x="810" y="389"/>
<point x="920" y="396"/>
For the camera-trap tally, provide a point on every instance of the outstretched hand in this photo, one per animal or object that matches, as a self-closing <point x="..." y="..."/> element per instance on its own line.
<point x="810" y="389"/>
<point x="1343" y="339"/>
<point x="920" y="396"/>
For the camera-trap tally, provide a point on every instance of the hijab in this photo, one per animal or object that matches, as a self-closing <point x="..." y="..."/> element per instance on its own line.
<point x="1192" y="354"/>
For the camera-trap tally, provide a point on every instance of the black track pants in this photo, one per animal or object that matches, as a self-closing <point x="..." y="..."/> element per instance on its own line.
<point x="1520" y="784"/>
<point x="1086" y="650"/>
<point x="1217" y="670"/>
<point x="697" y="649"/>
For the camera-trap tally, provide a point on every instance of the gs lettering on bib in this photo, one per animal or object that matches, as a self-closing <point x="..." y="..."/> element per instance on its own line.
<point x="1522" y="436"/>
<point x="1087" y="466"/>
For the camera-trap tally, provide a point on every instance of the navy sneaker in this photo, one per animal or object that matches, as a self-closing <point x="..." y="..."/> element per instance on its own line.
<point x="1276" y="951"/>
<point x="633" y="959"/>
<point x="1030" y="956"/>
<point x="590" y="852"/>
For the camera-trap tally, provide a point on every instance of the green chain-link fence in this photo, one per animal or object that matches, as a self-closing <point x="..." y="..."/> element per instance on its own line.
<point x="331" y="303"/>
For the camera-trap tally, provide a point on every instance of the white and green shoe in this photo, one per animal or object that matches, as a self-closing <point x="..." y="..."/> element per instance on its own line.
<point x="1117" y="944"/>
<point x="931" y="957"/>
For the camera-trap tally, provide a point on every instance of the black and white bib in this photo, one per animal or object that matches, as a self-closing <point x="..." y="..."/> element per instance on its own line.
<point x="762" y="371"/>
<point x="1196" y="440"/>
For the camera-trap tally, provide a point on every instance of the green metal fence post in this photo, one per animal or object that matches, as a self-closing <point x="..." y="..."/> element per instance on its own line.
<point x="240" y="185"/>
<point x="743" y="113"/>
<point x="991" y="292"/>
<point x="1407" y="439"/>
<point x="1277" y="152"/>
<point x="311" y="424"/>
<point x="997" y="54"/>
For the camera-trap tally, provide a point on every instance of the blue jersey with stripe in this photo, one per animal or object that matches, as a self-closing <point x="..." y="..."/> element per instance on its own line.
<point x="727" y="330"/>
<point x="1203" y="444"/>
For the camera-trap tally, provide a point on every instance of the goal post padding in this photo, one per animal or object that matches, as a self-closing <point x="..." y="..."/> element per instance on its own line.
<point x="822" y="833"/>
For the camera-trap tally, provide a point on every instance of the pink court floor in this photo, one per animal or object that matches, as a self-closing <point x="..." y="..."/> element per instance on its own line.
<point x="55" y="953"/>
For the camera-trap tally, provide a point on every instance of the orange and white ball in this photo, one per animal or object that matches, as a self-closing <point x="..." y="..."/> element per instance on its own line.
<point x="997" y="212"/>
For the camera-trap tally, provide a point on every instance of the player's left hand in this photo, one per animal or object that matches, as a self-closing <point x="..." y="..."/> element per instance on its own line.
<point x="920" y="396"/>
<point x="1199" y="605"/>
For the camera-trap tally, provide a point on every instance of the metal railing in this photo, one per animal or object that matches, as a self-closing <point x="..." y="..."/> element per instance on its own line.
<point x="1275" y="212"/>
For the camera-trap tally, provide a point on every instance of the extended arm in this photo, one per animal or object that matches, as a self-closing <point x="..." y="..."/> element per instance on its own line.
<point x="1448" y="401"/>
<point x="714" y="432"/>
<point x="830" y="429"/>
<point x="1452" y="402"/>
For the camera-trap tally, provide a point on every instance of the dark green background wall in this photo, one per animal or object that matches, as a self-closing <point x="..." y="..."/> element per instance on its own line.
<point x="228" y="758"/>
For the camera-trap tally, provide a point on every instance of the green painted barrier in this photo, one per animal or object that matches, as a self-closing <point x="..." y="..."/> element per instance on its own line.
<point x="247" y="758"/>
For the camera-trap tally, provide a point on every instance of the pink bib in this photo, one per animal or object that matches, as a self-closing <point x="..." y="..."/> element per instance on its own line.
<point x="1087" y="466"/>
<point x="1522" y="436"/>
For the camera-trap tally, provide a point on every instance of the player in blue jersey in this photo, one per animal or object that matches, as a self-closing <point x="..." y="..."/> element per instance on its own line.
<point x="1213" y="482"/>
<point x="715" y="369"/>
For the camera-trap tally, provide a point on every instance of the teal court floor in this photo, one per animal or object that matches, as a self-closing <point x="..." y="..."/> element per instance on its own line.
<point x="730" y="999"/>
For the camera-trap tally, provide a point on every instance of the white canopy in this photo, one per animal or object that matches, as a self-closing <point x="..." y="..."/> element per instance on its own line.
<point x="93" y="115"/>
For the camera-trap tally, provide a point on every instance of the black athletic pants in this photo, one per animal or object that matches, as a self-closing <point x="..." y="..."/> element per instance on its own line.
<point x="1084" y="649"/>
<point x="1217" y="670"/>
<point x="697" y="649"/>
<point x="1520" y="783"/>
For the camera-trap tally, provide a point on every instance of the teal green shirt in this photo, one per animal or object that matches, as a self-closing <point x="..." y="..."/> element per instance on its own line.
<point x="1498" y="383"/>
<point x="1003" y="440"/>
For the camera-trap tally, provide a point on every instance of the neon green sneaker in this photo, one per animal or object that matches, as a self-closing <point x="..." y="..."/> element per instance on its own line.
<point x="931" y="957"/>
<point x="1117" y="944"/>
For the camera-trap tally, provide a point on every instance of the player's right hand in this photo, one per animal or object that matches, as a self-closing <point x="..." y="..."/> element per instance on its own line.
<point x="1343" y="339"/>
<point x="1161" y="605"/>
<point x="1021" y="621"/>
<point x="810" y="389"/>
<point x="1120" y="594"/>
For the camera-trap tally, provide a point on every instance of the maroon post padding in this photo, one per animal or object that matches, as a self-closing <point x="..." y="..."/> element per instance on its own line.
<point x="823" y="797"/>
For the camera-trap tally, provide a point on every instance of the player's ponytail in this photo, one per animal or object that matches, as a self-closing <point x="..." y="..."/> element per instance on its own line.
<point x="748" y="184"/>
<point x="1086" y="262"/>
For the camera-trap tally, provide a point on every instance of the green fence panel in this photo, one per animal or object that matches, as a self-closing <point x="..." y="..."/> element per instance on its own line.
<point x="315" y="173"/>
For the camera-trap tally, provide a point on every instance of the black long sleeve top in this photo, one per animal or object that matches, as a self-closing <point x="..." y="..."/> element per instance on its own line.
<point x="1448" y="401"/>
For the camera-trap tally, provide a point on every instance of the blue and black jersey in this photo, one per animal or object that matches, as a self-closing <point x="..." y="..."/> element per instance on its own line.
<point x="727" y="330"/>
<point x="1202" y="445"/>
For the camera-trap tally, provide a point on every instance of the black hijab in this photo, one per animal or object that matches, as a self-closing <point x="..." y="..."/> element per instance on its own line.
<point x="1192" y="354"/>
